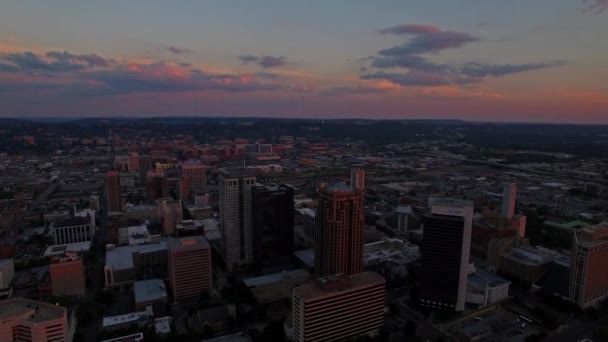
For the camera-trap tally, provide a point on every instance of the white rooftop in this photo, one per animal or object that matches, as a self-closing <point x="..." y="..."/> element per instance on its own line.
<point x="77" y="247"/>
<point x="124" y="319"/>
<point x="121" y="258"/>
<point x="149" y="290"/>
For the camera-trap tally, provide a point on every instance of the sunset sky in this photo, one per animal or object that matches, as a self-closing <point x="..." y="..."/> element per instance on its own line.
<point x="482" y="60"/>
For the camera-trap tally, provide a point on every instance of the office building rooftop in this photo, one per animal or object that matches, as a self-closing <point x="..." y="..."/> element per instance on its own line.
<point x="40" y="311"/>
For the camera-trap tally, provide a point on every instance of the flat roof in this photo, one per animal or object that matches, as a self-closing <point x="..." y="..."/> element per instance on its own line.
<point x="188" y="243"/>
<point x="356" y="281"/>
<point x="77" y="247"/>
<point x="123" y="319"/>
<point x="483" y="277"/>
<point x="40" y="311"/>
<point x="149" y="290"/>
<point x="121" y="258"/>
<point x="275" y="277"/>
<point x="307" y="256"/>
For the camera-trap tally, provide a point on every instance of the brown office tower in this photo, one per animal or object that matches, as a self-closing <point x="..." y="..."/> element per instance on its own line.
<point x="189" y="261"/>
<point x="157" y="185"/>
<point x="113" y="191"/>
<point x="588" y="276"/>
<point x="196" y="173"/>
<point x="171" y="213"/>
<point x="339" y="231"/>
<point x="339" y="308"/>
<point x="67" y="275"/>
<point x="144" y="165"/>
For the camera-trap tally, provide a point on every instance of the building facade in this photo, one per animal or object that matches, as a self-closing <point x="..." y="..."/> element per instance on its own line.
<point x="339" y="231"/>
<point x="171" y="214"/>
<point x="339" y="308"/>
<point x="113" y="191"/>
<point x="7" y="272"/>
<point x="236" y="220"/>
<point x="72" y="230"/>
<point x="445" y="254"/>
<point x="29" y="320"/>
<point x="189" y="261"/>
<point x="588" y="276"/>
<point x="273" y="220"/>
<point x="67" y="276"/>
<point x="196" y="174"/>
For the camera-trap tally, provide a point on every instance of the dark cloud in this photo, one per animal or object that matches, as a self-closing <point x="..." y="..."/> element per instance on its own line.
<point x="595" y="6"/>
<point x="246" y="59"/>
<point x="263" y="61"/>
<point x="410" y="29"/>
<point x="353" y="91"/>
<point x="55" y="61"/>
<point x="271" y="62"/>
<point x="420" y="71"/>
<point x="178" y="51"/>
<point x="497" y="70"/>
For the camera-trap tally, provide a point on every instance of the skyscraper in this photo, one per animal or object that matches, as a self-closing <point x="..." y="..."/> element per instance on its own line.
<point x="113" y="191"/>
<point x="273" y="220"/>
<point x="144" y="165"/>
<point x="445" y="254"/>
<point x="509" y="192"/>
<point x="157" y="185"/>
<point x="588" y="268"/>
<point x="235" y="217"/>
<point x="189" y="263"/>
<point x="338" y="308"/>
<point x="67" y="275"/>
<point x="339" y="231"/>
<point x="196" y="173"/>
<point x="171" y="213"/>
<point x="357" y="178"/>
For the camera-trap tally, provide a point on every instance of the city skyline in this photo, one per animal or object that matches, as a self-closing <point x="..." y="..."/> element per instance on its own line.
<point x="479" y="61"/>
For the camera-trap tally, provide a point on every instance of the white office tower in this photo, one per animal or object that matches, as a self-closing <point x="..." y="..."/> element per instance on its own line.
<point x="509" y="192"/>
<point x="357" y="178"/>
<point x="403" y="213"/>
<point x="445" y="254"/>
<point x="235" y="217"/>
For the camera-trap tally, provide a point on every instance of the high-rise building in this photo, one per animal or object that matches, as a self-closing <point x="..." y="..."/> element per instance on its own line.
<point x="189" y="262"/>
<point x="157" y="185"/>
<point x="403" y="215"/>
<point x="113" y="191"/>
<point x="7" y="273"/>
<point x="509" y="192"/>
<point x="144" y="165"/>
<point x="273" y="220"/>
<point x="339" y="231"/>
<point x="171" y="213"/>
<point x="588" y="268"/>
<point x="357" y="178"/>
<point x="445" y="254"/>
<point x="235" y="217"/>
<point x="67" y="275"/>
<point x="196" y="173"/>
<point x="24" y="320"/>
<point x="133" y="162"/>
<point x="339" y="307"/>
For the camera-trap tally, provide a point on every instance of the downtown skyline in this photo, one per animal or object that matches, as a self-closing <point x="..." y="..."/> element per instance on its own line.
<point x="545" y="61"/>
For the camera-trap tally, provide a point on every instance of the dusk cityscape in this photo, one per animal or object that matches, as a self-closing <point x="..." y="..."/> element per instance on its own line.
<point x="244" y="171"/>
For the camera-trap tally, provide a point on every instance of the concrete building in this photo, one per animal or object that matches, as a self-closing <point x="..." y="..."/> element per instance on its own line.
<point x="357" y="179"/>
<point x="339" y="308"/>
<point x="309" y="215"/>
<point x="445" y="254"/>
<point x="7" y="273"/>
<point x="189" y="262"/>
<point x="509" y="193"/>
<point x="171" y="213"/>
<point x="24" y="319"/>
<point x="72" y="230"/>
<point x="525" y="263"/>
<point x="144" y="164"/>
<point x="113" y="191"/>
<point x="273" y="221"/>
<point x="150" y="292"/>
<point x="588" y="268"/>
<point x="339" y="231"/>
<point x="67" y="275"/>
<point x="236" y="220"/>
<point x="144" y="212"/>
<point x="403" y="215"/>
<point x="485" y="288"/>
<point x="136" y="235"/>
<point x="157" y="185"/>
<point x="126" y="264"/>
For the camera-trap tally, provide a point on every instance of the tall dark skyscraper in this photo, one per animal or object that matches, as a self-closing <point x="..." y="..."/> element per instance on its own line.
<point x="144" y="165"/>
<point x="273" y="220"/>
<point x="113" y="191"/>
<point x="157" y="185"/>
<point x="339" y="231"/>
<point x="445" y="254"/>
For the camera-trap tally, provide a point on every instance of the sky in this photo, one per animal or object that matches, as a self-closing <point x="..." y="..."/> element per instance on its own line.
<point x="477" y="60"/>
